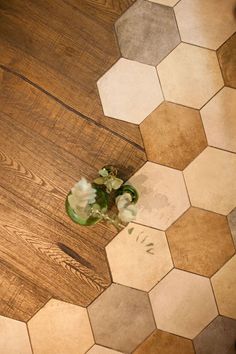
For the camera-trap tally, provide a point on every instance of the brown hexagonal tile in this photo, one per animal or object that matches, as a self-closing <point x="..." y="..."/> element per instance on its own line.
<point x="200" y="241"/>
<point x="161" y="342"/>
<point x="173" y="135"/>
<point x="232" y="224"/>
<point x="227" y="59"/>
<point x="121" y="318"/>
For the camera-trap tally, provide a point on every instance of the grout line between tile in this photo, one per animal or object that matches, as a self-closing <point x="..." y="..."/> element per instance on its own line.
<point x="31" y="344"/>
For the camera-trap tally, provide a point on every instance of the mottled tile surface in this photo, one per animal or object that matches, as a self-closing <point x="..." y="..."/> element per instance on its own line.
<point x="183" y="75"/>
<point x="211" y="181"/>
<point x="129" y="91"/>
<point x="199" y="21"/>
<point x="179" y="308"/>
<point x="97" y="349"/>
<point x="13" y="337"/>
<point x="173" y="135"/>
<point x="219" y="119"/>
<point x="139" y="257"/>
<point x="163" y="196"/>
<point x="227" y="59"/>
<point x="200" y="242"/>
<point x="232" y="224"/>
<point x="147" y="32"/>
<point x="60" y="327"/>
<point x="165" y="2"/>
<point x="224" y="285"/>
<point x="121" y="318"/>
<point x="218" y="338"/>
<point x="161" y="342"/>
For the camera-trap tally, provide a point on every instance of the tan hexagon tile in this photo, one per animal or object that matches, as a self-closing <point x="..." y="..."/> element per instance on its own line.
<point x="227" y="59"/>
<point x="173" y="135"/>
<point x="183" y="303"/>
<point x="121" y="318"/>
<point x="218" y="338"/>
<point x="139" y="257"/>
<point x="232" y="224"/>
<point x="97" y="349"/>
<point x="14" y="337"/>
<point x="161" y="342"/>
<point x="147" y="32"/>
<point x="165" y="2"/>
<point x="129" y="91"/>
<point x="211" y="181"/>
<point x="163" y="196"/>
<point x="190" y="75"/>
<point x="60" y="327"/>
<point x="219" y="121"/>
<point x="224" y="285"/>
<point x="200" y="242"/>
<point x="205" y="23"/>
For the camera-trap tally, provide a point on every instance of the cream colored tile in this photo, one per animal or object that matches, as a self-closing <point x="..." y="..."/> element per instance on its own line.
<point x="206" y="23"/>
<point x="163" y="196"/>
<point x="190" y="75"/>
<point x="13" y="337"/>
<point x="211" y="181"/>
<point x="139" y="257"/>
<point x="219" y="119"/>
<point x="165" y="2"/>
<point x="97" y="349"/>
<point x="62" y="328"/>
<point x="183" y="303"/>
<point x="130" y="91"/>
<point x="224" y="285"/>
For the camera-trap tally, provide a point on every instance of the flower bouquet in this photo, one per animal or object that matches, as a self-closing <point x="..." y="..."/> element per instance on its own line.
<point x="107" y="199"/>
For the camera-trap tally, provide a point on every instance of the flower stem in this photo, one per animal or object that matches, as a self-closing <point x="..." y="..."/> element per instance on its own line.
<point x="106" y="217"/>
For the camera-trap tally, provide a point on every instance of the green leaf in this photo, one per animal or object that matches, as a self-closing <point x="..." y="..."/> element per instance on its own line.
<point x="99" y="180"/>
<point x="116" y="183"/>
<point x="103" y="172"/>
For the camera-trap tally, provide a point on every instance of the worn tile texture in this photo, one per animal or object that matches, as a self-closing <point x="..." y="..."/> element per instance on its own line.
<point x="232" y="224"/>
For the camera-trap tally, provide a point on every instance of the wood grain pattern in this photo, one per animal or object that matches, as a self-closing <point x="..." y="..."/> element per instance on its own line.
<point x="64" y="46"/>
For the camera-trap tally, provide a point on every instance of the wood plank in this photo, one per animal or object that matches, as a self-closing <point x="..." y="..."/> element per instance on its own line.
<point x="64" y="47"/>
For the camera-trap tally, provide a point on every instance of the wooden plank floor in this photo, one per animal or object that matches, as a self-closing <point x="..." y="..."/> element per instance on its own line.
<point x="46" y="145"/>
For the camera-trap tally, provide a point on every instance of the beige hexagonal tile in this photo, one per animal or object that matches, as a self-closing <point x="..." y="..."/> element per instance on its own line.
<point x="206" y="23"/>
<point x="139" y="257"/>
<point x="165" y="2"/>
<point x="13" y="337"/>
<point x="224" y="285"/>
<point x="129" y="91"/>
<point x="211" y="181"/>
<point x="97" y="349"/>
<point x="190" y="75"/>
<point x="183" y="303"/>
<point x="163" y="196"/>
<point x="60" y="327"/>
<point x="219" y="119"/>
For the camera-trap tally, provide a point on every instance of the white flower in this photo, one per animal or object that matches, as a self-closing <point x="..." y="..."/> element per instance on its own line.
<point x="81" y="195"/>
<point x="127" y="210"/>
<point x="123" y="200"/>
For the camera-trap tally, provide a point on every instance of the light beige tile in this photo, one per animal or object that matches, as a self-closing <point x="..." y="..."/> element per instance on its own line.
<point x="97" y="349"/>
<point x="13" y="337"/>
<point x="139" y="257"/>
<point x="183" y="303"/>
<point x="211" y="181"/>
<point x="206" y="23"/>
<point x="130" y="91"/>
<point x="165" y="2"/>
<point x="163" y="196"/>
<point x="224" y="285"/>
<point x="62" y="328"/>
<point x="190" y="75"/>
<point x="219" y="119"/>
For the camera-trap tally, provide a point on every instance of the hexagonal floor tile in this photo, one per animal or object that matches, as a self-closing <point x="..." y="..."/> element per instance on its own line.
<point x="211" y="181"/>
<point x="161" y="342"/>
<point x="173" y="135"/>
<point x="232" y="224"/>
<point x="139" y="257"/>
<point x="147" y="32"/>
<point x="13" y="337"/>
<point x="121" y="318"/>
<point x="179" y="308"/>
<point x="165" y="2"/>
<point x="219" y="121"/>
<point x="224" y="285"/>
<point x="129" y="91"/>
<point x="200" y="241"/>
<point x="97" y="349"/>
<point x="218" y="338"/>
<point x="227" y="59"/>
<point x="163" y="196"/>
<point x="205" y="23"/>
<point x="188" y="67"/>
<point x="60" y="327"/>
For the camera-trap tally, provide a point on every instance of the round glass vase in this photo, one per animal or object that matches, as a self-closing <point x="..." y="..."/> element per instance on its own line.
<point x="127" y="188"/>
<point x="101" y="200"/>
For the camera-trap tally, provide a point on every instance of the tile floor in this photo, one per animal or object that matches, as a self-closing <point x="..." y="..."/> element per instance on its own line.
<point x="174" y="268"/>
